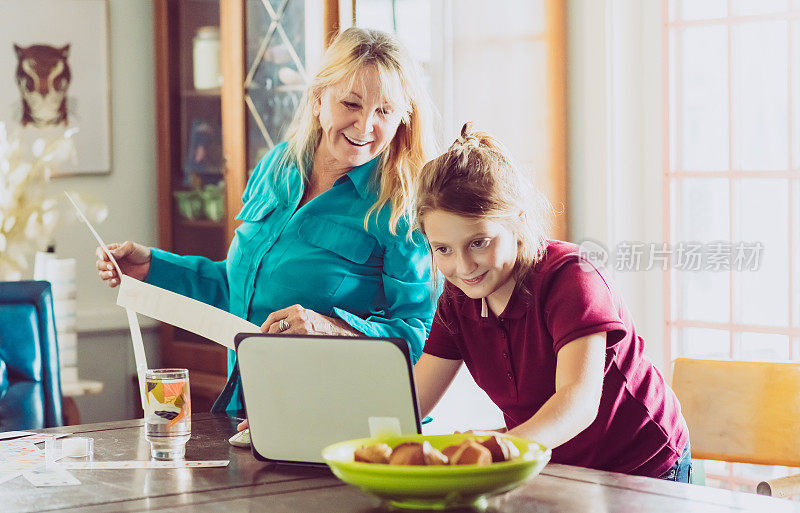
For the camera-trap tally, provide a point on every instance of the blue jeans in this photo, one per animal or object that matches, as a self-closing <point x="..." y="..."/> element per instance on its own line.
<point x="681" y="471"/>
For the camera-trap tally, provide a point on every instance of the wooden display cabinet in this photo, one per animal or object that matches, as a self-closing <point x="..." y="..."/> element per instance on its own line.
<point x="209" y="139"/>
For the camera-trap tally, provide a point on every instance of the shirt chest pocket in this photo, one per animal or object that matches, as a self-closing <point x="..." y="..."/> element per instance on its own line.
<point x="251" y="234"/>
<point x="327" y="252"/>
<point x="345" y="242"/>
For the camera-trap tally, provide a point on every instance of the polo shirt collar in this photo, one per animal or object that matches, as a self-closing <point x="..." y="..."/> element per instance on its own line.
<point x="361" y="177"/>
<point x="517" y="305"/>
<point x="515" y="309"/>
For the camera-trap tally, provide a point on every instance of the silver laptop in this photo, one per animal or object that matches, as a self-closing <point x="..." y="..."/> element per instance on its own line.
<point x="303" y="393"/>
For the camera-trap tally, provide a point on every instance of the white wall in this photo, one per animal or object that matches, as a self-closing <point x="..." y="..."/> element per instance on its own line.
<point x="104" y="348"/>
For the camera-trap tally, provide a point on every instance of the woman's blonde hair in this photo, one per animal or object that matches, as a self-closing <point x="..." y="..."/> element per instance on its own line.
<point x="476" y="178"/>
<point x="401" y="81"/>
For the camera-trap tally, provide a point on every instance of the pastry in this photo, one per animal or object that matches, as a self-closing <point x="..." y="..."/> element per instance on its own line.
<point x="471" y="452"/>
<point x="502" y="449"/>
<point x="433" y="456"/>
<point x="450" y="451"/>
<point x="408" y="453"/>
<point x="375" y="453"/>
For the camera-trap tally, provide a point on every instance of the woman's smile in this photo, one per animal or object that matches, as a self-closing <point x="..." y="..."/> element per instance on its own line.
<point x="357" y="122"/>
<point x="356" y="142"/>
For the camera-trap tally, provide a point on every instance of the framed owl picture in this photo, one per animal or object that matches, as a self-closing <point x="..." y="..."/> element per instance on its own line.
<point x="54" y="75"/>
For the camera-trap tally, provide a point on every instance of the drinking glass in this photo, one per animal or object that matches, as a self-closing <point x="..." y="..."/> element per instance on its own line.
<point x="168" y="415"/>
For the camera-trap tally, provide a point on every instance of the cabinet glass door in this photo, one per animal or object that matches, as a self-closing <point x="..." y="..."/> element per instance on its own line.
<point x="284" y="38"/>
<point x="197" y="177"/>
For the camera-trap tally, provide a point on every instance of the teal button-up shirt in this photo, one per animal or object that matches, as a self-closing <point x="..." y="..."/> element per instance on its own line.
<point x="319" y="256"/>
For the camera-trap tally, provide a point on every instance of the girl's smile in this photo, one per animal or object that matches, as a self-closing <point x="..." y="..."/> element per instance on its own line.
<point x="474" y="281"/>
<point x="476" y="255"/>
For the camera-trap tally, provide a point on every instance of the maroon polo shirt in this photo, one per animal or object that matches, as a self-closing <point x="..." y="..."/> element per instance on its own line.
<point x="639" y="428"/>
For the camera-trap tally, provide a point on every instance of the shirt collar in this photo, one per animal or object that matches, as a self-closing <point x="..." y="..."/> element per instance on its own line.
<point x="517" y="305"/>
<point x="515" y="309"/>
<point x="361" y="177"/>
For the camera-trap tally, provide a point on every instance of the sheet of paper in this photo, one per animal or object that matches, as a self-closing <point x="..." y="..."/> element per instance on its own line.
<point x="40" y="437"/>
<point x="8" y="446"/>
<point x="133" y="322"/>
<point x="107" y="465"/>
<point x="21" y="458"/>
<point x="8" y="475"/>
<point x="138" y="353"/>
<point x="21" y="454"/>
<point x="50" y="476"/>
<point x="14" y="434"/>
<point x="181" y="311"/>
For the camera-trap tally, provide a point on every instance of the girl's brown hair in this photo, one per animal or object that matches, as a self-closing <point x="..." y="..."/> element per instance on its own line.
<point x="476" y="178"/>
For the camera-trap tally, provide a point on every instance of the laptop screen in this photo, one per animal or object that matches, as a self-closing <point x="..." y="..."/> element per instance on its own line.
<point x="303" y="393"/>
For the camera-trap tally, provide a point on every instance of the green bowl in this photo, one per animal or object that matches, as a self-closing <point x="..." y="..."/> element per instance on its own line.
<point x="435" y="487"/>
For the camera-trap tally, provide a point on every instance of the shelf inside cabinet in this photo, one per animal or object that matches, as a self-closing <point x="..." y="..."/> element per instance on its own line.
<point x="201" y="223"/>
<point x="291" y="88"/>
<point x="195" y="355"/>
<point x="201" y="93"/>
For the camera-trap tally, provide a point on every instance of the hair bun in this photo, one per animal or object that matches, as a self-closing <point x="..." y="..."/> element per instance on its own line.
<point x="468" y="137"/>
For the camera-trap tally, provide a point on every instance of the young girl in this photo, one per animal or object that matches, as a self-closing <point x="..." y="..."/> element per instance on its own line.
<point x="542" y="331"/>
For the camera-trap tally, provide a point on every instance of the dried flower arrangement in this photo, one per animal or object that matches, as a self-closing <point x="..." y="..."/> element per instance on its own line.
<point x="28" y="217"/>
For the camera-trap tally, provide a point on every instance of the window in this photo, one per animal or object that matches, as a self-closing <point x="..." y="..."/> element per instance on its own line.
<point x="732" y="178"/>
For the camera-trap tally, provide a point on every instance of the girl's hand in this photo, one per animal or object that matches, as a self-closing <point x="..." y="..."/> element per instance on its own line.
<point x="296" y="320"/>
<point x="482" y="432"/>
<point x="133" y="259"/>
<point x="243" y="425"/>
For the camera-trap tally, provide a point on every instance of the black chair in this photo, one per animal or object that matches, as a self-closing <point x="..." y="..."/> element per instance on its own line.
<point x="30" y="383"/>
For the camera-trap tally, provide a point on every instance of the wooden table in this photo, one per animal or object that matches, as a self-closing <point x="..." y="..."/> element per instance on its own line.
<point x="250" y="485"/>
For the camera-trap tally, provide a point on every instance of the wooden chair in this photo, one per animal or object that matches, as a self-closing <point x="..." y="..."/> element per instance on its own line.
<point x="743" y="412"/>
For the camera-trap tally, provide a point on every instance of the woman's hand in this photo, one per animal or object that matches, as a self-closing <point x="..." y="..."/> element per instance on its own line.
<point x="243" y="425"/>
<point x="296" y="320"/>
<point x="133" y="259"/>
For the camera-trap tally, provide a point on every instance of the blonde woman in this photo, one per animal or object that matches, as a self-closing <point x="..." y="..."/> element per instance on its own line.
<point x="325" y="245"/>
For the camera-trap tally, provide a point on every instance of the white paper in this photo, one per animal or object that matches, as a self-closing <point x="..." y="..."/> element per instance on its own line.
<point x="8" y="475"/>
<point x="15" y="434"/>
<point x="94" y="232"/>
<point x="183" y="312"/>
<point x="167" y="306"/>
<point x="109" y="465"/>
<point x="133" y="322"/>
<point x="138" y="353"/>
<point x="52" y="476"/>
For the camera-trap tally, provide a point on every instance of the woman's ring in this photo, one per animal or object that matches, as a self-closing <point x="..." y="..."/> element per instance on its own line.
<point x="283" y="325"/>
